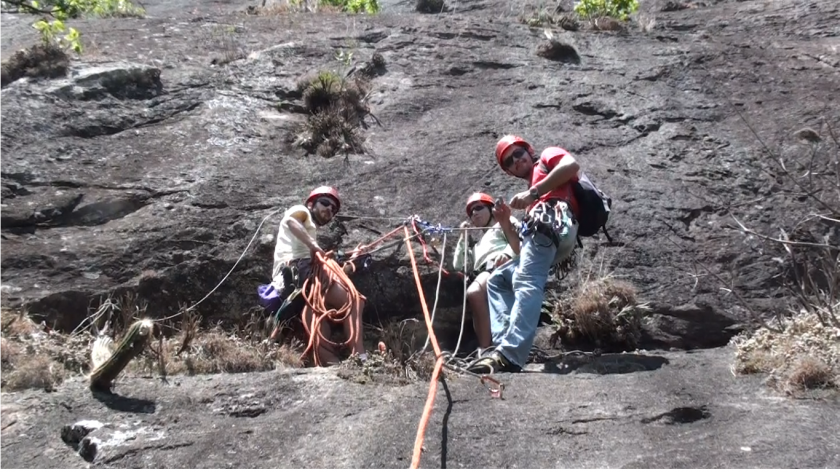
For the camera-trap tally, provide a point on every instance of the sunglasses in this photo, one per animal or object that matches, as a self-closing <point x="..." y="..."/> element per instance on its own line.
<point x="515" y="155"/>
<point x="329" y="204"/>
<point x="476" y="208"/>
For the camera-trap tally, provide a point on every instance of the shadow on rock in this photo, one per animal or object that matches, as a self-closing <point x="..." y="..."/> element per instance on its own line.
<point x="125" y="404"/>
<point x="605" y="364"/>
<point x="680" y="415"/>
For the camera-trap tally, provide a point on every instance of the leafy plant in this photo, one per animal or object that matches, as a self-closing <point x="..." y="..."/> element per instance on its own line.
<point x="359" y="6"/>
<point x="59" y="11"/>
<point x="354" y="6"/>
<point x="50" y="34"/>
<point x="619" y="9"/>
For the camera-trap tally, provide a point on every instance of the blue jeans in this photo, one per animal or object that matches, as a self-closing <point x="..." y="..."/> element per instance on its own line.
<point x="517" y="288"/>
<point x="516" y="291"/>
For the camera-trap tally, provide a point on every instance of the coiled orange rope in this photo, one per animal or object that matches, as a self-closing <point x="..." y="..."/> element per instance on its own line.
<point x="326" y="272"/>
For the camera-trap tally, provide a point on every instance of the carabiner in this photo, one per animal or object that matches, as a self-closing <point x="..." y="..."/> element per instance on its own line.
<point x="494" y="392"/>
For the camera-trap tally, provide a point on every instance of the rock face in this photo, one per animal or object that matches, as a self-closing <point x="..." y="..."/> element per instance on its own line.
<point x="150" y="170"/>
<point x="658" y="414"/>
<point x="158" y="159"/>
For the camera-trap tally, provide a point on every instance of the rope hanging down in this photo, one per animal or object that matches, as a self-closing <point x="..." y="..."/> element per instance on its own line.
<point x="430" y="399"/>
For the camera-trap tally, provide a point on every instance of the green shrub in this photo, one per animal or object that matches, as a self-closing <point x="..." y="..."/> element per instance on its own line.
<point x="620" y="9"/>
<point x="60" y="10"/>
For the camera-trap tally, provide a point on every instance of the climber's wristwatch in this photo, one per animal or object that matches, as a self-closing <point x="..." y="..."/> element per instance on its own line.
<point x="534" y="193"/>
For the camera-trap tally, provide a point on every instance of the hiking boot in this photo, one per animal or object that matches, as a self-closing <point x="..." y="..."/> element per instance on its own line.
<point x="492" y="363"/>
<point x="483" y="352"/>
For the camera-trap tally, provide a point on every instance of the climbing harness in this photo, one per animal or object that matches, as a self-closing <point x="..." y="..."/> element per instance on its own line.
<point x="553" y="219"/>
<point x="546" y="218"/>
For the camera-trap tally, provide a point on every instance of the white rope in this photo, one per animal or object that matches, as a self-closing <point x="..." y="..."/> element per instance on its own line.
<point x="464" y="308"/>
<point x="102" y="309"/>
<point x="241" y="256"/>
<point x="437" y="291"/>
<point x="94" y="317"/>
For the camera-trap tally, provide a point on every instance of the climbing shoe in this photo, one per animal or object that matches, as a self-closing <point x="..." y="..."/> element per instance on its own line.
<point x="492" y="363"/>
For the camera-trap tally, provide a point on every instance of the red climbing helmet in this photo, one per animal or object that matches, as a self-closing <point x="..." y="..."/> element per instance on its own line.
<point x="478" y="198"/>
<point x="508" y="141"/>
<point x="325" y="191"/>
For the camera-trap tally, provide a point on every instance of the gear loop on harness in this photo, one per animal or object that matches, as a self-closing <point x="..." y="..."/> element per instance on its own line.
<point x="549" y="218"/>
<point x="543" y="218"/>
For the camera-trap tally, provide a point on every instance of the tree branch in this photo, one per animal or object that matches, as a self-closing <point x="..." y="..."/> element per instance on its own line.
<point x="28" y="8"/>
<point x="782" y="241"/>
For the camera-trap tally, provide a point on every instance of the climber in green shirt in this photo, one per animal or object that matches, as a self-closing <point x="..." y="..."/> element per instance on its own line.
<point x="499" y="244"/>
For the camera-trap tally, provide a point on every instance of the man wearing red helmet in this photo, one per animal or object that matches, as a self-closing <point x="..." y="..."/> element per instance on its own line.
<point x="297" y="245"/>
<point x="515" y="290"/>
<point x="499" y="244"/>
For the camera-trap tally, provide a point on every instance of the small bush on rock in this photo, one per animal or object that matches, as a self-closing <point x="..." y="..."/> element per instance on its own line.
<point x="619" y="9"/>
<point x="337" y="108"/>
<point x="603" y="313"/>
<point x="375" y="66"/>
<point x="46" y="61"/>
<point x="34" y="358"/>
<point x="393" y="355"/>
<point x="805" y="354"/>
<point x="803" y="351"/>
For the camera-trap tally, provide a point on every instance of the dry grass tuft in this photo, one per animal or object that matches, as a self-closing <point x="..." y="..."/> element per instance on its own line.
<point x="547" y="17"/>
<point x="34" y="358"/>
<point x="17" y="326"/>
<point x="31" y="357"/>
<point x="39" y="61"/>
<point x="33" y="371"/>
<point x="9" y="352"/>
<point x="804" y="355"/>
<point x="400" y="362"/>
<point x="401" y="339"/>
<point x="811" y="373"/>
<point x="215" y="351"/>
<point x="337" y="108"/>
<point x="287" y="7"/>
<point x="227" y="41"/>
<point x="601" y="312"/>
<point x="646" y="23"/>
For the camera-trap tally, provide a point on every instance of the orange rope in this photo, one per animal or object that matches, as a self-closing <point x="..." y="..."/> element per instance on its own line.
<point x="325" y="273"/>
<point x="430" y="399"/>
<point x="362" y="248"/>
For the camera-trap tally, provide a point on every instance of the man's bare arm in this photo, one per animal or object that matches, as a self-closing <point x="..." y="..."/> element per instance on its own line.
<point x="298" y="231"/>
<point x="564" y="171"/>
